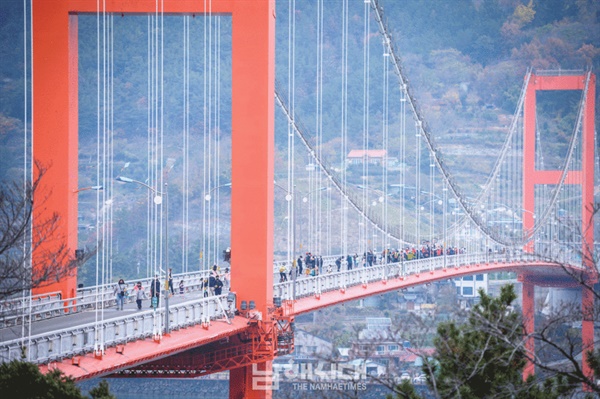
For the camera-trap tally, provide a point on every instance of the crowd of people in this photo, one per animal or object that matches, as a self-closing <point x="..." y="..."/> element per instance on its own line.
<point x="308" y="264"/>
<point x="212" y="285"/>
<point x="312" y="265"/>
<point x="426" y="251"/>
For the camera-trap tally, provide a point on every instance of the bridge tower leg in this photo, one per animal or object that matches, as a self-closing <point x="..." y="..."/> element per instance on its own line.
<point x="528" y="309"/>
<point x="253" y="87"/>
<point x="252" y="176"/>
<point x="55" y="130"/>
<point x="251" y="382"/>
<point x="583" y="177"/>
<point x="587" y="326"/>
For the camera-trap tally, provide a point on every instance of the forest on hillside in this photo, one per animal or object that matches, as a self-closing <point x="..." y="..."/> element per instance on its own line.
<point x="460" y="56"/>
<point x="465" y="60"/>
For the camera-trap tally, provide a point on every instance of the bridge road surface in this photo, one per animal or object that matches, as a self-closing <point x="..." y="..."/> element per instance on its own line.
<point x="64" y="321"/>
<point x="89" y="316"/>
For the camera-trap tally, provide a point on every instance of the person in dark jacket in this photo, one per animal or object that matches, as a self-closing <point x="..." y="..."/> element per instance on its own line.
<point x="218" y="286"/>
<point x="155" y="290"/>
<point x="170" y="277"/>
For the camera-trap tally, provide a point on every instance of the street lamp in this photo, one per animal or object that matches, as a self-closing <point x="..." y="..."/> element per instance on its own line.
<point x="289" y="196"/>
<point x="305" y="197"/>
<point x="439" y="202"/>
<point x="315" y="242"/>
<point x="208" y="196"/>
<point x="294" y="196"/>
<point x="217" y="235"/>
<point x="158" y="199"/>
<point x="95" y="188"/>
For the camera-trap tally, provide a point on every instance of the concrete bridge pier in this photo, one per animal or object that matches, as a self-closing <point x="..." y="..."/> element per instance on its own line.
<point x="528" y="309"/>
<point x="251" y="382"/>
<point x="587" y="326"/>
<point x="563" y="295"/>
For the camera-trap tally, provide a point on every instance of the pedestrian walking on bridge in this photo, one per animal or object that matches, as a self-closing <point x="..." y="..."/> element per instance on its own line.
<point x="155" y="291"/>
<point x="121" y="292"/>
<point x="140" y="294"/>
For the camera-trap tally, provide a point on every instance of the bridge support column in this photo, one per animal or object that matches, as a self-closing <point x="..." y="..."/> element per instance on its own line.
<point x="55" y="113"/>
<point x="251" y="382"/>
<point x="528" y="305"/>
<point x="252" y="176"/>
<point x="587" y="328"/>
<point x="583" y="177"/>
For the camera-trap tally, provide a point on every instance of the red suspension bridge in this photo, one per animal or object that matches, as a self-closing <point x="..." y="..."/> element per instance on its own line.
<point x="243" y="331"/>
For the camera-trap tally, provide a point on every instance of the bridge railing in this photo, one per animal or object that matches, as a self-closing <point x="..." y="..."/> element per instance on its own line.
<point x="88" y="298"/>
<point x="327" y="260"/>
<point x="55" y="345"/>
<point x="17" y="301"/>
<point x="78" y="340"/>
<point x="308" y="286"/>
<point x="52" y="305"/>
<point x="15" y="306"/>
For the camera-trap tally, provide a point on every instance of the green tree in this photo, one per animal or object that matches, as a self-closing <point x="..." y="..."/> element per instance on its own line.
<point x="484" y="357"/>
<point x="20" y="379"/>
<point x="102" y="391"/>
<point x="23" y="380"/>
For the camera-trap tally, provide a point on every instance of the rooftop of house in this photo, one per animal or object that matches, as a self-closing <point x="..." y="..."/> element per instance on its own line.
<point x="367" y="153"/>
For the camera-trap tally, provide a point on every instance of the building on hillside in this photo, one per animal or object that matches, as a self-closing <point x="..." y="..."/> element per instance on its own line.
<point x="378" y="323"/>
<point x="344" y="354"/>
<point x="372" y="157"/>
<point x="411" y="360"/>
<point x="308" y="348"/>
<point x="467" y="288"/>
<point x="310" y="352"/>
<point x="378" y="344"/>
<point x="411" y="298"/>
<point x="369" y="367"/>
<point x="307" y="345"/>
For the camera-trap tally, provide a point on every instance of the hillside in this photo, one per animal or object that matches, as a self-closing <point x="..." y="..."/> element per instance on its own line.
<point x="465" y="60"/>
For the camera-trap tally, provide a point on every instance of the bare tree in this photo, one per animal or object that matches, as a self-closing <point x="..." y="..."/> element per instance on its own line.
<point x="558" y="339"/>
<point x="558" y="347"/>
<point x="20" y="238"/>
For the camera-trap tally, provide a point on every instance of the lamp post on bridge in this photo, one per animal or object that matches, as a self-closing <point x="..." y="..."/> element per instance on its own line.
<point x="524" y="234"/>
<point x="80" y="253"/>
<point x="95" y="188"/>
<point x="380" y="200"/>
<point x="444" y="202"/>
<point x="158" y="200"/>
<point x="434" y="201"/>
<point x="293" y="195"/>
<point x="208" y="198"/>
<point x="289" y="196"/>
<point x="372" y="203"/>
<point x="305" y="198"/>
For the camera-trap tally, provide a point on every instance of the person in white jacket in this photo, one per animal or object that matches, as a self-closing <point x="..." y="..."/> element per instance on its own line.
<point x="140" y="294"/>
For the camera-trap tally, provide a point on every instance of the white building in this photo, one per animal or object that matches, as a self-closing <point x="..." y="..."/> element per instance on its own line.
<point x="468" y="287"/>
<point x="307" y="345"/>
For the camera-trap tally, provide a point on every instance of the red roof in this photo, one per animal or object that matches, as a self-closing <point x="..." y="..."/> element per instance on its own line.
<point x="367" y="153"/>
<point x="410" y="355"/>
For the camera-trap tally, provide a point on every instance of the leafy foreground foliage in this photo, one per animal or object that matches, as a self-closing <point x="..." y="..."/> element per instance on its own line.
<point x="23" y="380"/>
<point x="485" y="358"/>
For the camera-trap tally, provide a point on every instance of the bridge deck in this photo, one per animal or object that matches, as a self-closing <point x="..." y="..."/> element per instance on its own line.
<point x="142" y="351"/>
<point x="133" y="337"/>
